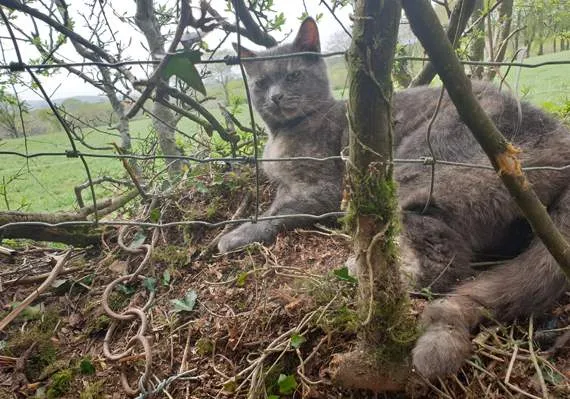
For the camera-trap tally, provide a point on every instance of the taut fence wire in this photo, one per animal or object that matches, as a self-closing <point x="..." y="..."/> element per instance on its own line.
<point x="22" y="66"/>
<point x="255" y="160"/>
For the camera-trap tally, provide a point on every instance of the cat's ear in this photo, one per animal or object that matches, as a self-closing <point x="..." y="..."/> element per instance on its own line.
<point x="243" y="52"/>
<point x="308" y="37"/>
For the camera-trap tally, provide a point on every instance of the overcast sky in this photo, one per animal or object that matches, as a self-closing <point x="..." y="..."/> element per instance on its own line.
<point x="64" y="85"/>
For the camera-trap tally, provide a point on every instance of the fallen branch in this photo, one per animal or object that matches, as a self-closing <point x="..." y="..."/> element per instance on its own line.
<point x="59" y="263"/>
<point x="29" y="224"/>
<point x="7" y="251"/>
<point x="79" y="188"/>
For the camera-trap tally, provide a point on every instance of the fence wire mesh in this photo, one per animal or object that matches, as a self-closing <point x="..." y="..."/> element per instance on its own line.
<point x="19" y="65"/>
<point x="254" y="160"/>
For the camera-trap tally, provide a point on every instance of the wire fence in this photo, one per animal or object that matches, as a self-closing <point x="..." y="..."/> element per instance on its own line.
<point x="74" y="152"/>
<point x="21" y="66"/>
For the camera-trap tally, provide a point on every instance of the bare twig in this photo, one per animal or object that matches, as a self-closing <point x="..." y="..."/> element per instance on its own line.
<point x="59" y="263"/>
<point x="39" y="277"/>
<point x="7" y="251"/>
<point x="534" y="359"/>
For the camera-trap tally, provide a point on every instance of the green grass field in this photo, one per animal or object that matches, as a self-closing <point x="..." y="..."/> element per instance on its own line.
<point x="545" y="84"/>
<point x="46" y="183"/>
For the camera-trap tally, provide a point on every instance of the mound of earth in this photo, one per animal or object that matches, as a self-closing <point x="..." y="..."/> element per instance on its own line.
<point x="264" y="322"/>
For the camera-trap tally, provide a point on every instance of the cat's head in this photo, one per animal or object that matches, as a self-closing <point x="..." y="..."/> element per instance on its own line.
<point x="287" y="89"/>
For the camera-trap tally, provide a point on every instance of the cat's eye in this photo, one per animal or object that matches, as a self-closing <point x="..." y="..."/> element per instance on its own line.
<point x="293" y="76"/>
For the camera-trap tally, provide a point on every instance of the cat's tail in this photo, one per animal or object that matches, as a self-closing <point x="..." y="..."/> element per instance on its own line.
<point x="527" y="284"/>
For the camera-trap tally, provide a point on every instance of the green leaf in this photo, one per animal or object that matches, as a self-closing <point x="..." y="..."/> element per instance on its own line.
<point x="150" y="284"/>
<point x="274" y="397"/>
<point x="297" y="340"/>
<point x="342" y="274"/>
<point x="230" y="386"/>
<point x="166" y="278"/>
<point x="182" y="64"/>
<point x="201" y="187"/>
<point x="427" y="292"/>
<point x="126" y="289"/>
<point x="185" y="304"/>
<point x="287" y="384"/>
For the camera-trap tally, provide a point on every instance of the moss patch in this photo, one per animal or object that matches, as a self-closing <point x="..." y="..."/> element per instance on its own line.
<point x="60" y="383"/>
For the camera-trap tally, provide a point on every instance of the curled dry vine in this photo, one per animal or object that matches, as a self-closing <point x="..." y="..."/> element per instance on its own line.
<point x="131" y="313"/>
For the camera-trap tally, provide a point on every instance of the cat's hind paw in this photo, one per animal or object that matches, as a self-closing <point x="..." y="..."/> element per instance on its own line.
<point x="441" y="350"/>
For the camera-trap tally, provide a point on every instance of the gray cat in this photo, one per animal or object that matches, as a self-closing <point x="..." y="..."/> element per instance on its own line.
<point x="470" y="216"/>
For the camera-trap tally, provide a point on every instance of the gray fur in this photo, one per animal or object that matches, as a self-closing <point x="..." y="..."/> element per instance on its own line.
<point x="471" y="215"/>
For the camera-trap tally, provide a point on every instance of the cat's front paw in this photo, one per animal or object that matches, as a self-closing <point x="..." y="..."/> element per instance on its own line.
<point x="246" y="234"/>
<point x="232" y="240"/>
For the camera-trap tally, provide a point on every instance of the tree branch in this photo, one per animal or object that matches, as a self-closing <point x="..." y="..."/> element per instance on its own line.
<point x="61" y="29"/>
<point x="457" y="23"/>
<point x="505" y="19"/>
<point x="204" y="112"/>
<point x="254" y="32"/>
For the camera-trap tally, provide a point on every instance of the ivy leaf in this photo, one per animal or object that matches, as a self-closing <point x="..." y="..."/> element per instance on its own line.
<point x="183" y="65"/>
<point x="297" y="340"/>
<point x="287" y="384"/>
<point x="185" y="304"/>
<point x="342" y="274"/>
<point x="126" y="289"/>
<point x="201" y="187"/>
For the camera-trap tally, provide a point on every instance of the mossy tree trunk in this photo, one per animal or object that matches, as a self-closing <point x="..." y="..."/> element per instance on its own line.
<point x="380" y="362"/>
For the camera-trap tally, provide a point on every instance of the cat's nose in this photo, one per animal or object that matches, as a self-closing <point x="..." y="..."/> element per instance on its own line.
<point x="276" y="98"/>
